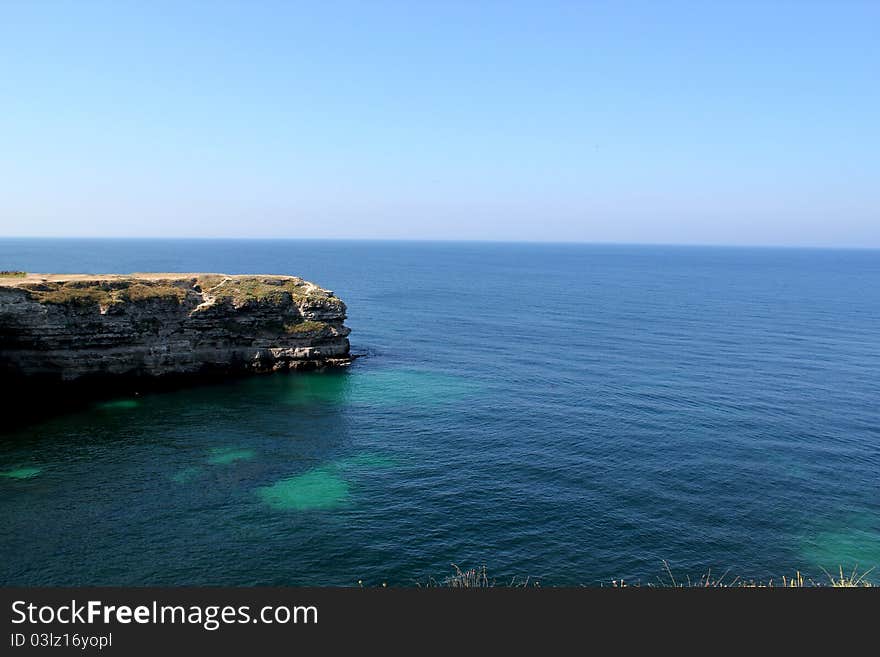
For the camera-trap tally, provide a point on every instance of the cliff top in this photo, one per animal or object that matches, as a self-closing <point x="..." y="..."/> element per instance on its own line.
<point x="17" y="278"/>
<point x="114" y="288"/>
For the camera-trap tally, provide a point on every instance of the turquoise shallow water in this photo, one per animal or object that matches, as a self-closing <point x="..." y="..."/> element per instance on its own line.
<point x="569" y="413"/>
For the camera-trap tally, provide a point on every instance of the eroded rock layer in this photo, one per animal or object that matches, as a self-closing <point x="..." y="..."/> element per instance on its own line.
<point x="67" y="328"/>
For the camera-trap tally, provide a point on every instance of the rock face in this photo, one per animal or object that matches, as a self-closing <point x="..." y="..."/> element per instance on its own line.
<point x="141" y="327"/>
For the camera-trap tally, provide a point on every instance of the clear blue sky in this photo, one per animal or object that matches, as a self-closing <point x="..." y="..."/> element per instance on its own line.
<point x="703" y="122"/>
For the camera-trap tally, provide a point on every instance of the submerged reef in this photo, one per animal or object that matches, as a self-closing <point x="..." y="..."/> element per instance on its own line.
<point x="88" y="331"/>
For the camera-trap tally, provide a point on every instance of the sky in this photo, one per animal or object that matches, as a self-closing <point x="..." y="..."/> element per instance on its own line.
<point x="749" y="123"/>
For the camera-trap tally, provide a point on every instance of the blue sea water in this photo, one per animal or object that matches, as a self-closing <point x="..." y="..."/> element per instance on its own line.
<point x="570" y="413"/>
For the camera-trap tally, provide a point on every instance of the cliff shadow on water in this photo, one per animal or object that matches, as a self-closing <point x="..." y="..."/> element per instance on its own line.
<point x="30" y="400"/>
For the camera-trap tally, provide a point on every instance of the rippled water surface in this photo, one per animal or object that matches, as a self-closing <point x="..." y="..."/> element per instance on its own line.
<point x="570" y="413"/>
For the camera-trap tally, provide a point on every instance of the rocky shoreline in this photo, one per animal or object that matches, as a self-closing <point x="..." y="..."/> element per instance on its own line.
<point x="121" y="331"/>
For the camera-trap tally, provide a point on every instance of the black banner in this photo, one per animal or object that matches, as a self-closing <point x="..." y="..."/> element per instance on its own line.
<point x="149" y="621"/>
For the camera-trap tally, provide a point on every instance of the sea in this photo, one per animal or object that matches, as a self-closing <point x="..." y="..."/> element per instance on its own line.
<point x="562" y="414"/>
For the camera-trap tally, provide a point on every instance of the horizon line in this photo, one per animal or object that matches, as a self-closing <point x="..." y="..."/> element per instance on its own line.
<point x="451" y="241"/>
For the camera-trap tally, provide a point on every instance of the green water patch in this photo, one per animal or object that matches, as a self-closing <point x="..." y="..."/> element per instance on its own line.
<point x="392" y="387"/>
<point x="853" y="545"/>
<point x="185" y="475"/>
<point x="118" y="405"/>
<point x="324" y="487"/>
<point x="21" y="473"/>
<point x="229" y="455"/>
<point x="317" y="387"/>
<point x="319" y="488"/>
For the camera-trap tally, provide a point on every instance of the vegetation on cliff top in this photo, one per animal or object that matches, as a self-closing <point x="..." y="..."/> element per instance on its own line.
<point x="12" y="274"/>
<point x="272" y="290"/>
<point x="239" y="290"/>
<point x="105" y="293"/>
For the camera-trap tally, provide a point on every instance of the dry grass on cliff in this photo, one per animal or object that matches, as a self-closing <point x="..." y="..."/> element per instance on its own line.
<point x="471" y="578"/>
<point x="6" y="273"/>
<point x="476" y="578"/>
<point x="852" y="579"/>
<point x="144" y="291"/>
<point x="243" y="290"/>
<point x="209" y="281"/>
<point x="74" y="295"/>
<point x="85" y="293"/>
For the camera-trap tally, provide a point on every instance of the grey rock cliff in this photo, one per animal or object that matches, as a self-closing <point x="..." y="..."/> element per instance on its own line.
<point x="66" y="328"/>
